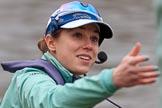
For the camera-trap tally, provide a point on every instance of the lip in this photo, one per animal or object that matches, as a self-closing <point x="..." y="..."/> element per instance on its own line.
<point x="84" y="57"/>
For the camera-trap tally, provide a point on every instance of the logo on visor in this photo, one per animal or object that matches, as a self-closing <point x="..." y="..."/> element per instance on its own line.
<point x="75" y="16"/>
<point x="81" y="16"/>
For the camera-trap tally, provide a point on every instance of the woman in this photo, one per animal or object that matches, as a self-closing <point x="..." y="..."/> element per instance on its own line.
<point x="73" y="35"/>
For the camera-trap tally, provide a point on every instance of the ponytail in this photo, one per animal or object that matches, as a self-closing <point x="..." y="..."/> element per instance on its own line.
<point x="42" y="45"/>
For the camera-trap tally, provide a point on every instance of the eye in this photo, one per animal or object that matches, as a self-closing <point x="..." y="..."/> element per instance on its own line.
<point x="94" y="38"/>
<point x="77" y="35"/>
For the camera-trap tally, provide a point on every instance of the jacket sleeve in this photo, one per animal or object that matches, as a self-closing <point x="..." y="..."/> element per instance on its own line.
<point x="38" y="90"/>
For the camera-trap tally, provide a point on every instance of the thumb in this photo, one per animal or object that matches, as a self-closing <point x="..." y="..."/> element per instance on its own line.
<point x="135" y="50"/>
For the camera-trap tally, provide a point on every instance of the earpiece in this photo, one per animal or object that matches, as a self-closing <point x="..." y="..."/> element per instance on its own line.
<point x="102" y="57"/>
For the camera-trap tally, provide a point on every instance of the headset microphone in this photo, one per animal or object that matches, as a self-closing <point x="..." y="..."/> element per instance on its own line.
<point x="102" y="57"/>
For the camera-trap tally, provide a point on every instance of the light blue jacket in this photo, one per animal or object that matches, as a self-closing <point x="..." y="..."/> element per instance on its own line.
<point x="33" y="88"/>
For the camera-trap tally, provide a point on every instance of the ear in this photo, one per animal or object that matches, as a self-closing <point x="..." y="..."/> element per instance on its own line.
<point x="50" y="41"/>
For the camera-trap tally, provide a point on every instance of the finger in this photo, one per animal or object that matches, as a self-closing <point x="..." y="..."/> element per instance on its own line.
<point x="138" y="59"/>
<point x="135" y="50"/>
<point x="148" y="72"/>
<point x="148" y="75"/>
<point x="147" y="81"/>
<point x="148" y="68"/>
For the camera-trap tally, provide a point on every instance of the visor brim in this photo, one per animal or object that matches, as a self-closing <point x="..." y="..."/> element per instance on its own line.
<point x="105" y="29"/>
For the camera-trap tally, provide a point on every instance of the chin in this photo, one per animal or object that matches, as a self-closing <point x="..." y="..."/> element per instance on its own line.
<point x="81" y="72"/>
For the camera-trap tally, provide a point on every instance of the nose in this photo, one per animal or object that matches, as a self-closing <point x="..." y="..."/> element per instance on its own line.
<point x="88" y="44"/>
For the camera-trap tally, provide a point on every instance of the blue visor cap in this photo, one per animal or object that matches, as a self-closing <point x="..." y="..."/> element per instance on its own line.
<point x="75" y="14"/>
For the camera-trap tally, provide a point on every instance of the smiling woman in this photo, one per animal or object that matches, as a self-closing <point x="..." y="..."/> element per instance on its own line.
<point x="80" y="45"/>
<point x="70" y="46"/>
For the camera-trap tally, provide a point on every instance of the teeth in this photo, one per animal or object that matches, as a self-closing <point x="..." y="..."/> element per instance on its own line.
<point x="84" y="57"/>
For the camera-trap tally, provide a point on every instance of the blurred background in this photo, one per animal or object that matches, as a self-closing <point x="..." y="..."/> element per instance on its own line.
<point x="23" y="22"/>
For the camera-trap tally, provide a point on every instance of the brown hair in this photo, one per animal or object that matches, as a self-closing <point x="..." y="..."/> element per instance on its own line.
<point x="42" y="43"/>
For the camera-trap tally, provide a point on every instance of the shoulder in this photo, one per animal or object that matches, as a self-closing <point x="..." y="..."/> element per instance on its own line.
<point x="32" y="76"/>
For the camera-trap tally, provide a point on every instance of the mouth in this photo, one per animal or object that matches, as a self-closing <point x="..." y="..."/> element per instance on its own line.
<point x="84" y="57"/>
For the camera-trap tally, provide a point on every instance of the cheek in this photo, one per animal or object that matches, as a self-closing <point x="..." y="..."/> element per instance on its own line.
<point x="95" y="52"/>
<point x="66" y="52"/>
<point x="69" y="48"/>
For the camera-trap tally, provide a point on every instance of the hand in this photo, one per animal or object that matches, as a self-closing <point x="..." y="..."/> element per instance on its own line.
<point x="129" y="73"/>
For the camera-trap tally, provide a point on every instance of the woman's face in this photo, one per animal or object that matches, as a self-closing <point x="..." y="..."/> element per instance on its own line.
<point x="76" y="49"/>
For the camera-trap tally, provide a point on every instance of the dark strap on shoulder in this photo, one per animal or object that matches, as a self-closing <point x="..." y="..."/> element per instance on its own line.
<point x="13" y="66"/>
